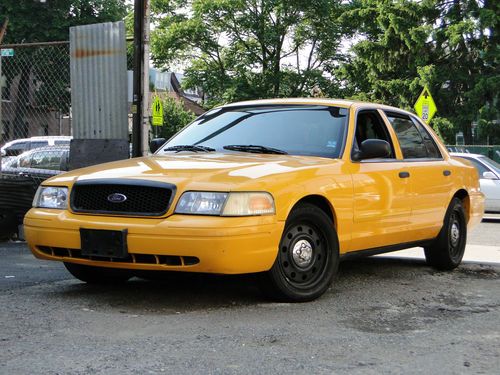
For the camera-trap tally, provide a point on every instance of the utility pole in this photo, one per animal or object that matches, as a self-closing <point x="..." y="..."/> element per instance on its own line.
<point x="146" y="108"/>
<point x="137" y="108"/>
<point x="140" y="107"/>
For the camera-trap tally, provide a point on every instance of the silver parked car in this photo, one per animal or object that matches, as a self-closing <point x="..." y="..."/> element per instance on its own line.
<point x="489" y="178"/>
<point x="40" y="163"/>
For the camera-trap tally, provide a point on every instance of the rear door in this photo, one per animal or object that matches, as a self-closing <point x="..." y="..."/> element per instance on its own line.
<point x="430" y="176"/>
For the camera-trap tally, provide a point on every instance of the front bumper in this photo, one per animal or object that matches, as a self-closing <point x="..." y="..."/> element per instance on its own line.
<point x="228" y="245"/>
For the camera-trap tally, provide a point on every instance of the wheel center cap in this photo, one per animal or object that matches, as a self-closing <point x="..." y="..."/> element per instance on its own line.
<point x="455" y="233"/>
<point x="302" y="253"/>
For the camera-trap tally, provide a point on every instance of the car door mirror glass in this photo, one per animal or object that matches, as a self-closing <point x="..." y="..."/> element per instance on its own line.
<point x="489" y="175"/>
<point x="373" y="149"/>
<point x="156" y="143"/>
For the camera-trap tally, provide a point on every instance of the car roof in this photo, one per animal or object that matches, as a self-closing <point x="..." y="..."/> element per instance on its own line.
<point x="315" y="101"/>
<point x="465" y="154"/>
<point x="44" y="137"/>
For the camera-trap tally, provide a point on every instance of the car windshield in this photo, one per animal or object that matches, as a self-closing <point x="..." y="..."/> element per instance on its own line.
<point x="490" y="163"/>
<point x="280" y="129"/>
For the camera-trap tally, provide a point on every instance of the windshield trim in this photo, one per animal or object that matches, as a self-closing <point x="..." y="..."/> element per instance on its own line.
<point x="313" y="106"/>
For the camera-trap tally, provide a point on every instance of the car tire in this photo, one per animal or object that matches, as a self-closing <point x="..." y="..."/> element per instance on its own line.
<point x="98" y="275"/>
<point x="447" y="250"/>
<point x="307" y="259"/>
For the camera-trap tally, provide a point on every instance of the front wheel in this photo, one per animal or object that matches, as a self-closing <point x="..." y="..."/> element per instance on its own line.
<point x="447" y="251"/>
<point x="97" y="275"/>
<point x="307" y="259"/>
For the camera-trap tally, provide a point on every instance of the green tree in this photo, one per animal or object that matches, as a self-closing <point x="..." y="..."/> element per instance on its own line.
<point x="247" y="49"/>
<point x="34" y="21"/>
<point x="450" y="45"/>
<point x="175" y="117"/>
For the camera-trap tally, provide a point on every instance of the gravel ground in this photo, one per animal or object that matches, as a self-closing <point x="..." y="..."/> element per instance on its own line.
<point x="382" y="315"/>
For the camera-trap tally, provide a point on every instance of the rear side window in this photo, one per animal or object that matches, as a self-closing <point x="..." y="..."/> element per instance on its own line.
<point x="39" y="144"/>
<point x="430" y="145"/>
<point x="47" y="160"/>
<point x="415" y="141"/>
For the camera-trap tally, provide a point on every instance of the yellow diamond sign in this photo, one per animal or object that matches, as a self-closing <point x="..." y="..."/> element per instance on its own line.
<point x="425" y="106"/>
<point x="157" y="109"/>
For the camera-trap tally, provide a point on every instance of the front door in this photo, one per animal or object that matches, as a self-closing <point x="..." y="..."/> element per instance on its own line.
<point x="381" y="187"/>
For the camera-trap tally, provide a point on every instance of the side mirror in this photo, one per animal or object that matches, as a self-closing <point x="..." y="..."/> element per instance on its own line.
<point x="373" y="149"/>
<point x="156" y="143"/>
<point x="489" y="175"/>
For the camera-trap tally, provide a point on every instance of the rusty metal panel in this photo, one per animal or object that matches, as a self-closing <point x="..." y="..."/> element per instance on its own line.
<point x="99" y="81"/>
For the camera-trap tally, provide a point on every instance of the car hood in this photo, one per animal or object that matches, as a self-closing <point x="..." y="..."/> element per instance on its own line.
<point x="212" y="171"/>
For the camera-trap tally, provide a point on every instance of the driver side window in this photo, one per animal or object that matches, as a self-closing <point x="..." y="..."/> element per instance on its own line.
<point x="369" y="125"/>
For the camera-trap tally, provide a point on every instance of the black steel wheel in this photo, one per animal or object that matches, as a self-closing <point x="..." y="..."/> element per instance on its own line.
<point x="447" y="251"/>
<point x="98" y="275"/>
<point x="307" y="260"/>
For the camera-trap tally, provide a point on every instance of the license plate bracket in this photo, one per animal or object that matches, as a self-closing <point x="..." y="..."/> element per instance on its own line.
<point x="104" y="243"/>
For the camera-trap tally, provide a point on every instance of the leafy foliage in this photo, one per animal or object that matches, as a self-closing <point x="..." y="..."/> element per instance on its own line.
<point x="450" y="45"/>
<point x="175" y="117"/>
<point x="246" y="49"/>
<point x="47" y="68"/>
<point x="34" y="21"/>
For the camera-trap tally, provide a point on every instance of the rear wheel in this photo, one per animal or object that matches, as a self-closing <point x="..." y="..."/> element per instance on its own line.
<point x="307" y="259"/>
<point x="447" y="251"/>
<point x="98" y="275"/>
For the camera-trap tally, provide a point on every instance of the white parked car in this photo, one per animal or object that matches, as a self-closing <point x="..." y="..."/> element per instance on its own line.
<point x="489" y="178"/>
<point x="18" y="146"/>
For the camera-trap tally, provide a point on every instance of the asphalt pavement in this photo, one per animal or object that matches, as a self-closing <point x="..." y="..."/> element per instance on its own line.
<point x="382" y="315"/>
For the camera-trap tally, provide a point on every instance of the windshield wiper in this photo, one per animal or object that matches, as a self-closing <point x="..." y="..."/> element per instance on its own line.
<point x="194" y="148"/>
<point x="255" y="148"/>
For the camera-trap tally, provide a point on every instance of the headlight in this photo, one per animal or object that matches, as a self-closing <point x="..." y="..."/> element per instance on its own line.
<point x="201" y="203"/>
<point x="249" y="204"/>
<point x="51" y="197"/>
<point x="226" y="204"/>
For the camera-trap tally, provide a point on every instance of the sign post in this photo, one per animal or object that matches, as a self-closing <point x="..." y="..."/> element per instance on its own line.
<point x="6" y="52"/>
<point x="425" y="106"/>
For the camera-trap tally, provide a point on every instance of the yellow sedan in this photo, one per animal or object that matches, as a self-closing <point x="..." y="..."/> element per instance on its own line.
<point x="286" y="188"/>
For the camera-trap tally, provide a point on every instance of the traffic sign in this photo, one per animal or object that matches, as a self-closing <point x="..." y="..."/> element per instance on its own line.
<point x="7" y="52"/>
<point x="425" y="106"/>
<point x="157" y="109"/>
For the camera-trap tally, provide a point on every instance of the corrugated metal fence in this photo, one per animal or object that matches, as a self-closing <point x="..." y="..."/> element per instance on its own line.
<point x="99" y="80"/>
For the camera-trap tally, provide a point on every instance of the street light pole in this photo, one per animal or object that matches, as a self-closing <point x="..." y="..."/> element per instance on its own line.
<point x="137" y="85"/>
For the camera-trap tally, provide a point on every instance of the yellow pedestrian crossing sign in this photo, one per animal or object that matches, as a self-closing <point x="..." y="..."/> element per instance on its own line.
<point x="157" y="109"/>
<point x="425" y="106"/>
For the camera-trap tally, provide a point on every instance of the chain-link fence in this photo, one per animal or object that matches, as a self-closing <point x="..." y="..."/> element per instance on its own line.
<point x="35" y="109"/>
<point x="35" y="113"/>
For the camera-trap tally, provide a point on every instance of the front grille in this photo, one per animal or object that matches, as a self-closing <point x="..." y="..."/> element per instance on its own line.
<point x="142" y="198"/>
<point x="162" y="260"/>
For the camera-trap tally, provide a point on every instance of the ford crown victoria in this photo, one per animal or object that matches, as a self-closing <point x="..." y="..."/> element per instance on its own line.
<point x="282" y="188"/>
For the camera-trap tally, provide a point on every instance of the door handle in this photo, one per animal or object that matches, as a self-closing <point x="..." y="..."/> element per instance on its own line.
<point x="446" y="172"/>
<point x="404" y="174"/>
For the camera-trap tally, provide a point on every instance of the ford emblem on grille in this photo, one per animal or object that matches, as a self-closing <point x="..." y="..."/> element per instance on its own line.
<point x="117" y="198"/>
